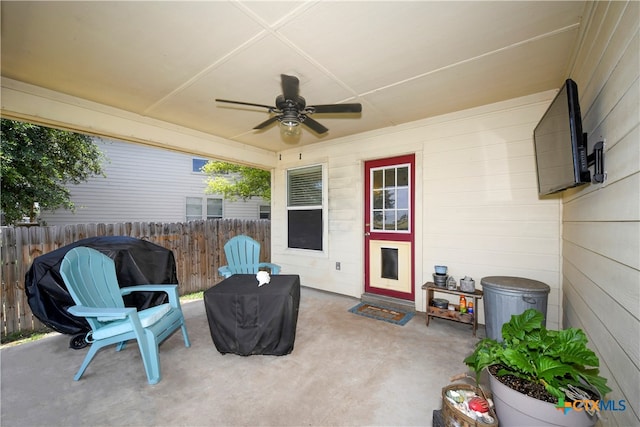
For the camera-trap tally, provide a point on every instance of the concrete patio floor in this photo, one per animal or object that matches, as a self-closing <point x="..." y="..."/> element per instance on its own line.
<point x="345" y="370"/>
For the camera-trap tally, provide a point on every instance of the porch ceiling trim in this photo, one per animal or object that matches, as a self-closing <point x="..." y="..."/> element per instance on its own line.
<point x="22" y="101"/>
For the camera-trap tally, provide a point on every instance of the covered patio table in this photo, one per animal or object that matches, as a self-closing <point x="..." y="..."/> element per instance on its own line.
<point x="248" y="319"/>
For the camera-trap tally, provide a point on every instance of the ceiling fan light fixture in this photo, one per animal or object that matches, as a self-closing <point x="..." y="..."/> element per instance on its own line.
<point x="290" y="128"/>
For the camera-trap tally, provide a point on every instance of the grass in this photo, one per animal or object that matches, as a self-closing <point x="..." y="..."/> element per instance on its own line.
<point x="22" y="337"/>
<point x="193" y="296"/>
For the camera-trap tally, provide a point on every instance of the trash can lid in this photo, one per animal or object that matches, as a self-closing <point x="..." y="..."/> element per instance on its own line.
<point x="514" y="284"/>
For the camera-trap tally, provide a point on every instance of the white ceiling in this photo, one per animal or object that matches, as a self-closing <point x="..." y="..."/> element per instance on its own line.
<point x="403" y="61"/>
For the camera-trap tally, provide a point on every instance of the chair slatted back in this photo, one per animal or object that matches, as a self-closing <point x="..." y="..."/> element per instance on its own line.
<point x="243" y="255"/>
<point x="91" y="279"/>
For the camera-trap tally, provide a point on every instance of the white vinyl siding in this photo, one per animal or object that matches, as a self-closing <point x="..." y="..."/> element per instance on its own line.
<point x="601" y="222"/>
<point x="143" y="184"/>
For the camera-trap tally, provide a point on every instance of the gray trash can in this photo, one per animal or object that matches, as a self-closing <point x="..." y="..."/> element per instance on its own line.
<point x="505" y="296"/>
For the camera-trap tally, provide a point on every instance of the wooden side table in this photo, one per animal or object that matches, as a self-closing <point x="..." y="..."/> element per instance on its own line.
<point x="455" y="315"/>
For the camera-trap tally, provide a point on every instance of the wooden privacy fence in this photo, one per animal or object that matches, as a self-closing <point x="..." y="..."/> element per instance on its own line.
<point x="197" y="247"/>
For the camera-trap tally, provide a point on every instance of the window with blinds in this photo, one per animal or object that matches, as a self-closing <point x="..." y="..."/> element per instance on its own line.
<point x="265" y="212"/>
<point x="194" y="208"/>
<point x="195" y="205"/>
<point x="214" y="208"/>
<point x="304" y="207"/>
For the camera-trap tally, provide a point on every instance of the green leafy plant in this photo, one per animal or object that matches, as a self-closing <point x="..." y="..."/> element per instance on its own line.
<point x="555" y="359"/>
<point x="237" y="181"/>
<point x="38" y="166"/>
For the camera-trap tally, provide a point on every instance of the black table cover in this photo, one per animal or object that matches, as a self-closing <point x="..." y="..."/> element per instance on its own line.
<point x="246" y="319"/>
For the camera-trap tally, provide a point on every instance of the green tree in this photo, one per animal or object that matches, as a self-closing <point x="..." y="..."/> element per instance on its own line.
<point x="239" y="181"/>
<point x="38" y="163"/>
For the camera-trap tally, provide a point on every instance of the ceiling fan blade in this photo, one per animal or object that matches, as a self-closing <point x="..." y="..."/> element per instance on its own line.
<point x="290" y="87"/>
<point x="314" y="125"/>
<point x="266" y="122"/>
<point x="246" y="103"/>
<point x="336" y="108"/>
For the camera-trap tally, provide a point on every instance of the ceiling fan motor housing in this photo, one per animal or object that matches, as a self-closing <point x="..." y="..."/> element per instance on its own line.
<point x="290" y="110"/>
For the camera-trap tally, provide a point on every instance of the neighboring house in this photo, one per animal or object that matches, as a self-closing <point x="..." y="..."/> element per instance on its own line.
<point x="145" y="183"/>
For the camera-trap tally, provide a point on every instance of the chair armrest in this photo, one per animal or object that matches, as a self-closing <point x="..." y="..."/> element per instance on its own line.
<point x="171" y="290"/>
<point x="103" y="313"/>
<point x="275" y="268"/>
<point x="224" y="271"/>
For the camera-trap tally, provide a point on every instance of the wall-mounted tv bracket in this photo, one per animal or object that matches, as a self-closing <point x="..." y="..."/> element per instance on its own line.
<point x="597" y="158"/>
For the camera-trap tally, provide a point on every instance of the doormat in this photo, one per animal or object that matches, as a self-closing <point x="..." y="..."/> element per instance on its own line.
<point x="391" y="315"/>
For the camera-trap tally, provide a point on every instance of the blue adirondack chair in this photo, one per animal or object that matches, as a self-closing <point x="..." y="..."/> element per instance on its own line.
<point x="243" y="257"/>
<point x="90" y="277"/>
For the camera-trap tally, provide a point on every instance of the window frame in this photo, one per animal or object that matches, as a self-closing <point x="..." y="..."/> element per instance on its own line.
<point x="191" y="217"/>
<point x="198" y="159"/>
<point x="261" y="212"/>
<point x="204" y="214"/>
<point x="384" y="209"/>
<point x="323" y="208"/>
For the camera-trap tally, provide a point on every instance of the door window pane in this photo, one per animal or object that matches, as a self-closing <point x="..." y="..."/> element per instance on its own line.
<point x="390" y="202"/>
<point x="390" y="199"/>
<point x="402" y="199"/>
<point x="378" y="199"/>
<point x="403" y="220"/>
<point x="390" y="220"/>
<point x="377" y="220"/>
<point x="403" y="176"/>
<point x="377" y="179"/>
<point x="390" y="177"/>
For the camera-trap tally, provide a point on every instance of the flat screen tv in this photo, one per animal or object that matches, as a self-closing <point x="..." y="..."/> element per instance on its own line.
<point x="560" y="146"/>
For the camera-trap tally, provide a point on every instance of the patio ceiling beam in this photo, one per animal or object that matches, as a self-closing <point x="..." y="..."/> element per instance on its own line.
<point x="41" y="106"/>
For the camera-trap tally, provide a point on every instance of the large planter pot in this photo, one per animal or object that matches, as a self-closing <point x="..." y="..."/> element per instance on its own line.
<point x="516" y="409"/>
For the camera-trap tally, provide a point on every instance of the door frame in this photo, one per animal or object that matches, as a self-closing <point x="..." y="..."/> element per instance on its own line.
<point x="369" y="234"/>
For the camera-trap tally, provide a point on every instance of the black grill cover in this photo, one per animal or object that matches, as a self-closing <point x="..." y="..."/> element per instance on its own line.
<point x="138" y="262"/>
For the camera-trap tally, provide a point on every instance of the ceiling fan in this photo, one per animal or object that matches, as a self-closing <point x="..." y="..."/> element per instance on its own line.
<point x="291" y="109"/>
